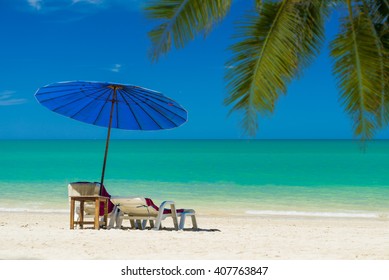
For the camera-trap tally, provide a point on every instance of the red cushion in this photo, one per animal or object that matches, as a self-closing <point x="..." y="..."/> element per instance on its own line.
<point x="103" y="192"/>
<point x="165" y="211"/>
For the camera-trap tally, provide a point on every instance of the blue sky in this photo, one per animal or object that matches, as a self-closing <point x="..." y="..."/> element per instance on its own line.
<point x="47" y="41"/>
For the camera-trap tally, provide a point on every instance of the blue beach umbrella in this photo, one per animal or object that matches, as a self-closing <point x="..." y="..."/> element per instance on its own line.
<point x="112" y="105"/>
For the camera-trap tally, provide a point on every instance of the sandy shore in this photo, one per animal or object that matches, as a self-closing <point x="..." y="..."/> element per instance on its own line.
<point x="47" y="236"/>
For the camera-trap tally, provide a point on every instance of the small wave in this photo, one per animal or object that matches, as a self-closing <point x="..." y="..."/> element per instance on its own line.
<point x="29" y="210"/>
<point x="317" y="214"/>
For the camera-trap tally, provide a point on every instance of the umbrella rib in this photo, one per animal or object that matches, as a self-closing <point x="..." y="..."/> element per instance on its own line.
<point x="73" y="84"/>
<point x="163" y="99"/>
<point x="87" y="101"/>
<point x="54" y="91"/>
<point x="160" y="98"/>
<point x="147" y="92"/>
<point x="154" y="109"/>
<point x="102" y="107"/>
<point x="129" y="107"/>
<point x="92" y="100"/>
<point x="151" y="101"/>
<point x="153" y="95"/>
<point x="129" y="96"/>
<point x="52" y="98"/>
<point x="73" y="101"/>
<point x="65" y="85"/>
<point x="75" y="91"/>
<point x="166" y="108"/>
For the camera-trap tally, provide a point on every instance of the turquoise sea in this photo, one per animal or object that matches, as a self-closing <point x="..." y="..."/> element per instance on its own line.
<point x="236" y="177"/>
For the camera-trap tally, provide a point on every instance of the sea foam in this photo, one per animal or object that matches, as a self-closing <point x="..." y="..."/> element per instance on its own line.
<point x="30" y="210"/>
<point x="368" y="215"/>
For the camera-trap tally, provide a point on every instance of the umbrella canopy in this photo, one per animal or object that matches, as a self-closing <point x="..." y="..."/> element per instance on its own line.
<point x="112" y="105"/>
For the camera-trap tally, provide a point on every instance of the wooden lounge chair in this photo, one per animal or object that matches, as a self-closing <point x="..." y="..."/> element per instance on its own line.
<point x="92" y="189"/>
<point x="140" y="210"/>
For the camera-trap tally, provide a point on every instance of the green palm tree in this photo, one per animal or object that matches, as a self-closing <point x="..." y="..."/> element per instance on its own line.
<point x="277" y="39"/>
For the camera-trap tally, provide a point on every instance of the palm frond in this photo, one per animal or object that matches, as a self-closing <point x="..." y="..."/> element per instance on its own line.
<point x="384" y="36"/>
<point x="258" y="4"/>
<point x="181" y="20"/>
<point x="357" y="64"/>
<point x="313" y="14"/>
<point x="383" y="7"/>
<point x="271" y="50"/>
<point x="378" y="23"/>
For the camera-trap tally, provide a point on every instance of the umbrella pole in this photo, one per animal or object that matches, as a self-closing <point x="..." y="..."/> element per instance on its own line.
<point x="108" y="135"/>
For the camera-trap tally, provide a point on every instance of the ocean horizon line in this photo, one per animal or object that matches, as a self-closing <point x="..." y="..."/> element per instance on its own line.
<point x="195" y="139"/>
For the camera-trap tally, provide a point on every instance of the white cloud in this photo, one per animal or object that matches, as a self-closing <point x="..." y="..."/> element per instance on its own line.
<point x="6" y="98"/>
<point x="36" y="4"/>
<point x="134" y="5"/>
<point x="116" y="68"/>
<point x="53" y="5"/>
<point x="77" y="5"/>
<point x="88" y="1"/>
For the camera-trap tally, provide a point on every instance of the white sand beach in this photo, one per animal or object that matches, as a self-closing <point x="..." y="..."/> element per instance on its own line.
<point x="47" y="236"/>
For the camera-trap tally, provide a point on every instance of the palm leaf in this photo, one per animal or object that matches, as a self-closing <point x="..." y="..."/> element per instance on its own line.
<point x="384" y="35"/>
<point x="313" y="14"/>
<point x="357" y="64"/>
<point x="258" y="4"/>
<point x="377" y="16"/>
<point x="271" y="50"/>
<point x="181" y="20"/>
<point x="383" y="7"/>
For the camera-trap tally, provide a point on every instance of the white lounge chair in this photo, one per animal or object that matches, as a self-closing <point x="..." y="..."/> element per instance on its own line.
<point x="90" y="189"/>
<point x="140" y="210"/>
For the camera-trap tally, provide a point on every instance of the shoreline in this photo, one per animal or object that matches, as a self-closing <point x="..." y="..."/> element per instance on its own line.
<point x="218" y="213"/>
<point x="47" y="236"/>
<point x="300" y="213"/>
